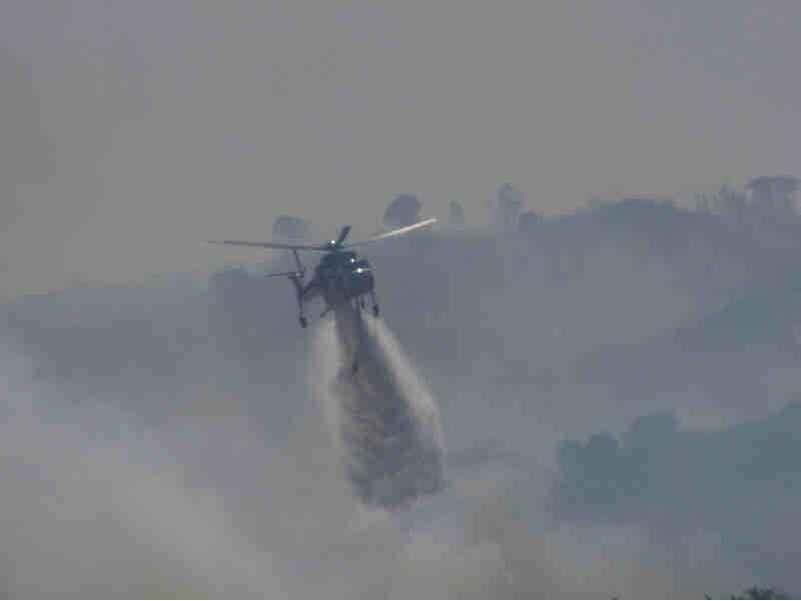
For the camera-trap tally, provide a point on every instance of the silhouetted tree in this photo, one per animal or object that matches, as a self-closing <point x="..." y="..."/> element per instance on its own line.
<point x="455" y="213"/>
<point x="774" y="195"/>
<point x="529" y="222"/>
<point x="404" y="210"/>
<point x="757" y="592"/>
<point x="507" y="207"/>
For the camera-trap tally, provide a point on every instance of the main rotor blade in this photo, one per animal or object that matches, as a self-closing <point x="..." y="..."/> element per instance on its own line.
<point x="283" y="274"/>
<point x="391" y="234"/>
<point x="269" y="245"/>
<point x="342" y="235"/>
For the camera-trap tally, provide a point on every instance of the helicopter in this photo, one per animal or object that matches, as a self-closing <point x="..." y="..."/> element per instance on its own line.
<point x="340" y="277"/>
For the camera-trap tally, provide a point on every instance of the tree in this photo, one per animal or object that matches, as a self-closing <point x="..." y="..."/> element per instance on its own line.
<point x="455" y="213"/>
<point x="757" y="592"/>
<point x="529" y="222"/>
<point x="507" y="209"/>
<point x="404" y="210"/>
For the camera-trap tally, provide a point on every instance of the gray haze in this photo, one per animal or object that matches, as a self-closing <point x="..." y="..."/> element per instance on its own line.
<point x="617" y="380"/>
<point x="616" y="392"/>
<point x="148" y="127"/>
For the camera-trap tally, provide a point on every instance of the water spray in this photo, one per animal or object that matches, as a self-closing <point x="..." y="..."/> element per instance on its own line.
<point x="383" y="418"/>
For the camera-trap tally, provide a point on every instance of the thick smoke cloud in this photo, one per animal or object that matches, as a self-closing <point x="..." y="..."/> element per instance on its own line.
<point x="161" y="438"/>
<point x="153" y="408"/>
<point x="99" y="504"/>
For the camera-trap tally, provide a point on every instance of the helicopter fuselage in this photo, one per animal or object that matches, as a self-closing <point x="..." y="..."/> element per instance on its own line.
<point x="340" y="276"/>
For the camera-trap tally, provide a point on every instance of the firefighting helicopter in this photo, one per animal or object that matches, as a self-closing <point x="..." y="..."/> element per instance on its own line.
<point x="341" y="275"/>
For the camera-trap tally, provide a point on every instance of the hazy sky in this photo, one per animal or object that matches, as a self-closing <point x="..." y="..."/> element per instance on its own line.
<point x="137" y="130"/>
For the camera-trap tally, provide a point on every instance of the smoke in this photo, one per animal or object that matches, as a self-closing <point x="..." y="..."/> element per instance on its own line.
<point x="99" y="504"/>
<point x="169" y="433"/>
<point x="383" y="416"/>
<point x="95" y="505"/>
